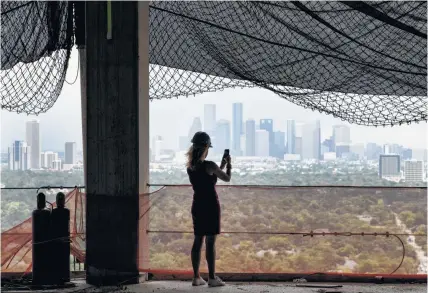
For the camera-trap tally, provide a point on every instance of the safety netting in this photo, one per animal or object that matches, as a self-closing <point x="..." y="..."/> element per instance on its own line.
<point x="363" y="62"/>
<point x="270" y="230"/>
<point x="16" y="242"/>
<point x="36" y="42"/>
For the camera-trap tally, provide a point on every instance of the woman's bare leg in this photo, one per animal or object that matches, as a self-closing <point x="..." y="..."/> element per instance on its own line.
<point x="210" y="255"/>
<point x="196" y="254"/>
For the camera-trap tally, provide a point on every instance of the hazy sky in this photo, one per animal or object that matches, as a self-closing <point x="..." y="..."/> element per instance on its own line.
<point x="172" y="118"/>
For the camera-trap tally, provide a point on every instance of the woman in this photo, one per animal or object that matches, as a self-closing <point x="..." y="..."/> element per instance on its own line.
<point x="206" y="207"/>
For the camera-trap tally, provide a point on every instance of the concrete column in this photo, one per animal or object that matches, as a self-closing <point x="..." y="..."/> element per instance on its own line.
<point x="144" y="137"/>
<point x="117" y="132"/>
<point x="82" y="65"/>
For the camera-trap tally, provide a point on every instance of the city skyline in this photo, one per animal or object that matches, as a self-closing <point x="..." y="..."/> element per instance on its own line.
<point x="171" y="118"/>
<point x="339" y="134"/>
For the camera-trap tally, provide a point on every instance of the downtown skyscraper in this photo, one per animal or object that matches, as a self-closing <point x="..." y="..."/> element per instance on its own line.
<point x="222" y="136"/>
<point x="33" y="140"/>
<point x="267" y="124"/>
<point x="19" y="156"/>
<point x="311" y="141"/>
<point x="237" y="131"/>
<point x="250" y="138"/>
<point x="210" y="119"/>
<point x="70" y="153"/>
<point x="291" y="137"/>
<point x="341" y="140"/>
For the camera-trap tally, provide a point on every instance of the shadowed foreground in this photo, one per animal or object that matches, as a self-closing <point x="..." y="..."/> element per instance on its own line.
<point x="184" y="287"/>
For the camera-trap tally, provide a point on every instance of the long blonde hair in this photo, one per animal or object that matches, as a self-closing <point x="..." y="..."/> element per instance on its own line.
<point x="194" y="156"/>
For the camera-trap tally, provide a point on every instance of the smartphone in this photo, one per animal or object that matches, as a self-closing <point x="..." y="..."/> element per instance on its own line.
<point x="225" y="154"/>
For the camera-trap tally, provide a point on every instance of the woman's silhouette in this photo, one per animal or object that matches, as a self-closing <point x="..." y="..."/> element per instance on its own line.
<point x="206" y="207"/>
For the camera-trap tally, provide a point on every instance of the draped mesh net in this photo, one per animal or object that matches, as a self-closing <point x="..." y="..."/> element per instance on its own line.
<point x="36" y="41"/>
<point x="362" y="62"/>
<point x="268" y="230"/>
<point x="16" y="242"/>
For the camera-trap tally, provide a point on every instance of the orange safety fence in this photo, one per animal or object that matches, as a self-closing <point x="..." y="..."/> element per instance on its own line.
<point x="16" y="243"/>
<point x="268" y="230"/>
<point x="288" y="230"/>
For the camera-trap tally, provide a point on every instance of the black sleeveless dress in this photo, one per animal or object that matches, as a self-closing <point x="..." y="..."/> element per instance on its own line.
<point x="205" y="206"/>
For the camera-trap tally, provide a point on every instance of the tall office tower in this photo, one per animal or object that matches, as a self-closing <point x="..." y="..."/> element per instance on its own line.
<point x="237" y="128"/>
<point x="250" y="138"/>
<point x="262" y="143"/>
<point x="299" y="150"/>
<point x="342" y="140"/>
<point x="33" y="140"/>
<point x="70" y="153"/>
<point x="279" y="142"/>
<point x="389" y="165"/>
<point x="291" y="137"/>
<point x="373" y="151"/>
<point x="311" y="141"/>
<point x="210" y="119"/>
<point x="19" y="156"/>
<point x="222" y="136"/>
<point x="267" y="124"/>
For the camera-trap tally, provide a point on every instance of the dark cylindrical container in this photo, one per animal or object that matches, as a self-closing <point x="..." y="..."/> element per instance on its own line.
<point x="60" y="230"/>
<point x="41" y="219"/>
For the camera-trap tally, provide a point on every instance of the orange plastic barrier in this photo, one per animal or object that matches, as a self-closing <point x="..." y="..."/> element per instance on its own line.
<point x="329" y="230"/>
<point x="16" y="243"/>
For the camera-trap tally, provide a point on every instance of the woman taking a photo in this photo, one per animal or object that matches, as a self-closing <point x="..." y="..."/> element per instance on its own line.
<point x="206" y="206"/>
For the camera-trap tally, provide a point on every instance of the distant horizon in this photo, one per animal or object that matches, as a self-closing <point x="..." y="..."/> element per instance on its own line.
<point x="298" y="124"/>
<point x="62" y="122"/>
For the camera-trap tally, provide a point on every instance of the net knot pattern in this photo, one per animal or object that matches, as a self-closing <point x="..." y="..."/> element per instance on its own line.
<point x="36" y="42"/>
<point x="362" y="62"/>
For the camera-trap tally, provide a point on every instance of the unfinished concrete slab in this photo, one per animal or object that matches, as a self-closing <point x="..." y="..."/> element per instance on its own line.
<point x="185" y="286"/>
<point x="273" y="287"/>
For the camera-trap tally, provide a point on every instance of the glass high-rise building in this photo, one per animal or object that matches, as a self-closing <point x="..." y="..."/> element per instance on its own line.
<point x="389" y="166"/>
<point x="222" y="136"/>
<point x="19" y="156"/>
<point x="262" y="143"/>
<point x="267" y="124"/>
<point x="291" y="137"/>
<point x="373" y="151"/>
<point x="279" y="142"/>
<point x="210" y="118"/>
<point x="237" y="125"/>
<point x="342" y="140"/>
<point x="70" y="153"/>
<point x="311" y="141"/>
<point x="250" y="138"/>
<point x="33" y="140"/>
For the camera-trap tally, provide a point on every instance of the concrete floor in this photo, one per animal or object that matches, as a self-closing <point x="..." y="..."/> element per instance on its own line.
<point x="182" y="287"/>
<point x="185" y="287"/>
